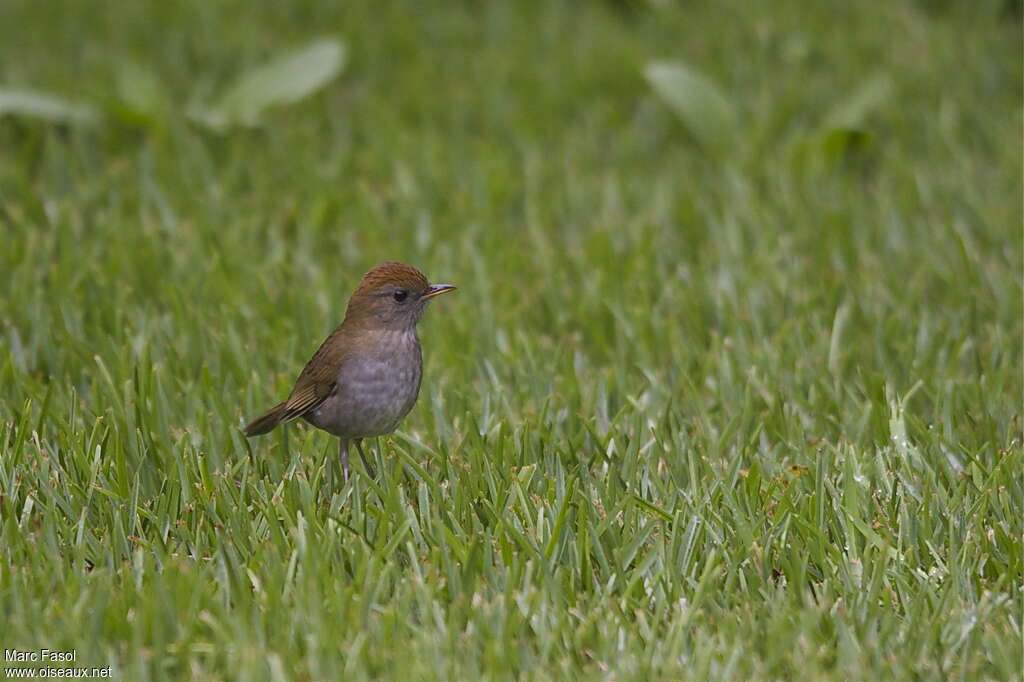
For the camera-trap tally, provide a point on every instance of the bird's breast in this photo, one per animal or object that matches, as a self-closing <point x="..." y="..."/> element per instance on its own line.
<point x="376" y="388"/>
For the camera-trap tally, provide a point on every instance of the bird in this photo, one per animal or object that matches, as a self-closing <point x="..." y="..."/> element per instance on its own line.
<point x="365" y="377"/>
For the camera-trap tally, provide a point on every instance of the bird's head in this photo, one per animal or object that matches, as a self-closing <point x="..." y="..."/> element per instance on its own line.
<point x="393" y="296"/>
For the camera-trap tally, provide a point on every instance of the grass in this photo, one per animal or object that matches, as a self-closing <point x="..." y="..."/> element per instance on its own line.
<point x="742" y="410"/>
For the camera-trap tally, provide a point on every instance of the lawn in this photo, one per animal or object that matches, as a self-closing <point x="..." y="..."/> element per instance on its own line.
<point x="731" y="387"/>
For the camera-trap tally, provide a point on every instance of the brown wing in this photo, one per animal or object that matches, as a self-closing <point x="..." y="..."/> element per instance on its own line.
<point x="319" y="377"/>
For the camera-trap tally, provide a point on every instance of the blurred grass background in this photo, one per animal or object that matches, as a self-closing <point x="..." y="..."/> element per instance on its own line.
<point x="731" y="387"/>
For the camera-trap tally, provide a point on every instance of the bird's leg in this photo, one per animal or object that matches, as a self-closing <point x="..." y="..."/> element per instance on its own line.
<point x="343" y="456"/>
<point x="369" y="469"/>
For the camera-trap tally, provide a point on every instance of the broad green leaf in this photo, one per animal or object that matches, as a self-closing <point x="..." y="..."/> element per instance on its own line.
<point x="841" y="143"/>
<point x="284" y="80"/>
<point x="141" y="95"/>
<point x="850" y="112"/>
<point x="843" y="134"/>
<point x="45" y="106"/>
<point x="702" y="106"/>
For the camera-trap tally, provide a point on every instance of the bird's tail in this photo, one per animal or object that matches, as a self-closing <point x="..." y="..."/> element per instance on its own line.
<point x="267" y="421"/>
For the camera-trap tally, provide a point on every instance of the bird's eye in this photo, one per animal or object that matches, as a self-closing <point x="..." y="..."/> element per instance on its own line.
<point x="400" y="295"/>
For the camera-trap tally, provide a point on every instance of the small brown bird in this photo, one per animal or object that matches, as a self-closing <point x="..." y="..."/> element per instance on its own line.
<point x="365" y="376"/>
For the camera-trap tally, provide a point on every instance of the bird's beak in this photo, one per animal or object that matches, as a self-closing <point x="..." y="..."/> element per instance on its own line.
<point x="437" y="290"/>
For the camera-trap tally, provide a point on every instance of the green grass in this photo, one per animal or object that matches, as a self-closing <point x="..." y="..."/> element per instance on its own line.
<point x="743" y="410"/>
